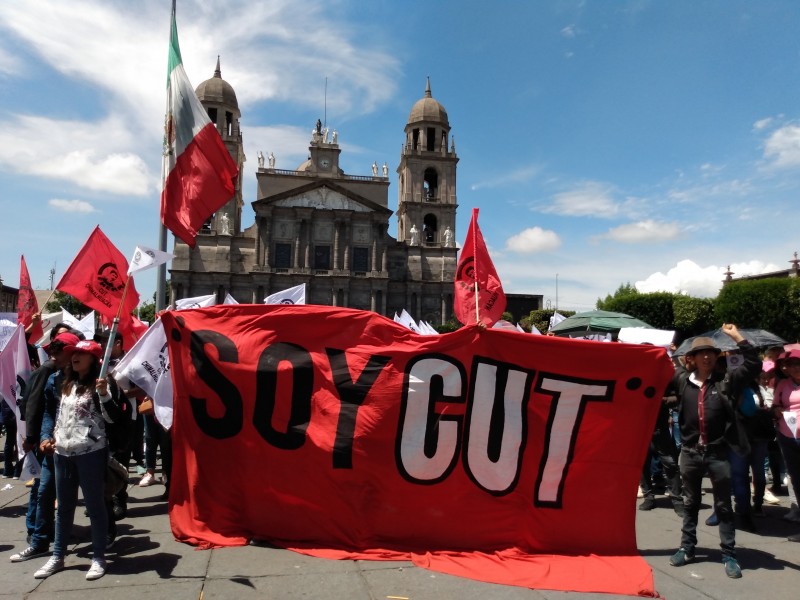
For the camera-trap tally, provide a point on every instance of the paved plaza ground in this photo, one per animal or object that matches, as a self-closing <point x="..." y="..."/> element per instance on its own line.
<point x="147" y="562"/>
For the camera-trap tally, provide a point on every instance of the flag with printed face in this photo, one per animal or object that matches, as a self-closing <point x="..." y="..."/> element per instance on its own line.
<point x="292" y="295"/>
<point x="476" y="276"/>
<point x="27" y="305"/>
<point x="147" y="258"/>
<point x="199" y="175"/>
<point x="97" y="277"/>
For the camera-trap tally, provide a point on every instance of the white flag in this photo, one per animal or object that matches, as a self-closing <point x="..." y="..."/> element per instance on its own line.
<point x="7" y="329"/>
<point x="49" y="321"/>
<point x="535" y="330"/>
<point x="294" y="295"/>
<point x="556" y="319"/>
<point x="407" y="320"/>
<point x="84" y="325"/>
<point x="15" y="369"/>
<point x="147" y="258"/>
<point x="196" y="302"/>
<point x="229" y="299"/>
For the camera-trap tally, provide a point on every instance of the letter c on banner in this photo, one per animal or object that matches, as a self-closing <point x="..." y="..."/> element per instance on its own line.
<point x="428" y="441"/>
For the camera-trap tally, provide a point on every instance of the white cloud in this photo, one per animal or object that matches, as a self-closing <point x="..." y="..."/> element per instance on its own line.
<point x="74" y="206"/>
<point x="89" y="155"/>
<point x="783" y="146"/>
<point x="569" y="31"/>
<point x="521" y="175"/>
<point x="648" y="231"/>
<point x="589" y="199"/>
<point x="762" y="123"/>
<point x="533" y="239"/>
<point x="688" y="277"/>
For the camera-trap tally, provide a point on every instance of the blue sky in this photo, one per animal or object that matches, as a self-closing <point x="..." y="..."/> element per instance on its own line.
<point x="605" y="142"/>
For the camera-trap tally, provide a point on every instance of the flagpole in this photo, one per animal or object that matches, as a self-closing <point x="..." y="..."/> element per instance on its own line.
<point x="113" y="333"/>
<point x="161" y="278"/>
<point x="475" y="264"/>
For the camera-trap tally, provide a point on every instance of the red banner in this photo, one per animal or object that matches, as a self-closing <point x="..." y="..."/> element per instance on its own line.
<point x="27" y="305"/>
<point x="491" y="454"/>
<point x="476" y="270"/>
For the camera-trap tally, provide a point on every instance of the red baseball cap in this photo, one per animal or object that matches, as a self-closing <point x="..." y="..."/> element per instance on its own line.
<point x="66" y="340"/>
<point x="90" y="347"/>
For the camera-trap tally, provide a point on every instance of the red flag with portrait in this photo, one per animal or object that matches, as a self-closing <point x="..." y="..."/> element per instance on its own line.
<point x="475" y="269"/>
<point x="97" y="278"/>
<point x="27" y="305"/>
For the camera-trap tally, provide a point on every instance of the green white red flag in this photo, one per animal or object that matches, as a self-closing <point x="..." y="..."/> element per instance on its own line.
<point x="198" y="173"/>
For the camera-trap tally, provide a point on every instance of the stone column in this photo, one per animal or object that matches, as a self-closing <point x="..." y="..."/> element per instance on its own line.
<point x="336" y="225"/>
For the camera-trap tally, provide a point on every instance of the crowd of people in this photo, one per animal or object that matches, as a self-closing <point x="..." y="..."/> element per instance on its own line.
<point x="82" y="428"/>
<point x="723" y="417"/>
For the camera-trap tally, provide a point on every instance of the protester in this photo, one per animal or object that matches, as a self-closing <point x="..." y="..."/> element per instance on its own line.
<point x="78" y="439"/>
<point x="709" y="431"/>
<point x="662" y="445"/>
<point x="40" y="518"/>
<point x="787" y="400"/>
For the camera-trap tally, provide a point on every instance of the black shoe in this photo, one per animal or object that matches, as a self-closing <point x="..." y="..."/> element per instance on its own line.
<point x="680" y="558"/>
<point x="713" y="520"/>
<point x="119" y="508"/>
<point x="29" y="553"/>
<point x="648" y="504"/>
<point x="732" y="568"/>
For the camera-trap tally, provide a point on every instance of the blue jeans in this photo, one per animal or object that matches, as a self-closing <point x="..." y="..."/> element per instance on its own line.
<point x="790" y="447"/>
<point x="40" y="519"/>
<point x="89" y="471"/>
<point x="740" y="477"/>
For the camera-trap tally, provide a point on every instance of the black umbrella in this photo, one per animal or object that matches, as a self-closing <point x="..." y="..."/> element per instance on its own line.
<point x="759" y="338"/>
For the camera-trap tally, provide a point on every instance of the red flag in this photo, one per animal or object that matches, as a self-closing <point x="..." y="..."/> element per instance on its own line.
<point x="475" y="265"/>
<point x="198" y="172"/>
<point x="97" y="278"/>
<point x="27" y="306"/>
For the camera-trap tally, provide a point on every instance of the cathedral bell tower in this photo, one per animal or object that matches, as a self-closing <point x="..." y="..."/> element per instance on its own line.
<point x="218" y="98"/>
<point x="426" y="207"/>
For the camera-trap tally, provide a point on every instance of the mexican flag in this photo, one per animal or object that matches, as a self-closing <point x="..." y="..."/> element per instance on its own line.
<point x="198" y="173"/>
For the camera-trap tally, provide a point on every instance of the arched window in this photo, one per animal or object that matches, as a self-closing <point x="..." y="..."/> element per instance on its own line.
<point x="430" y="227"/>
<point x="431" y="185"/>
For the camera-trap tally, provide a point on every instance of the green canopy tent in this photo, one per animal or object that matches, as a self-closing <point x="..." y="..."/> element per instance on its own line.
<point x="596" y="322"/>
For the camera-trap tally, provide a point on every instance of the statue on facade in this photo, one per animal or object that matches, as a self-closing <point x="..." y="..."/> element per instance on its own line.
<point x="260" y="159"/>
<point x="374" y="169"/>
<point x="224" y="227"/>
<point x="271" y="160"/>
<point x="448" y="237"/>
<point x="335" y="138"/>
<point x="385" y="170"/>
<point x="414" y="235"/>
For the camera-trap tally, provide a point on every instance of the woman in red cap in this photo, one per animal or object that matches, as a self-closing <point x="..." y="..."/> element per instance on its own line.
<point x="80" y="444"/>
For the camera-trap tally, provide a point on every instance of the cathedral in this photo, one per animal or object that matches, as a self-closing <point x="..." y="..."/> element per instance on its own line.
<point x="328" y="229"/>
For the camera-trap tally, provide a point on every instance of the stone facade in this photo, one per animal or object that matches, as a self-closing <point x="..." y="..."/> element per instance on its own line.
<point x="319" y="226"/>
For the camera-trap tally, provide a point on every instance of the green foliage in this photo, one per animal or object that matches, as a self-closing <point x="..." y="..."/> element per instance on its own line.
<point x="625" y="290"/>
<point x="451" y="325"/>
<point x="72" y="305"/>
<point x="541" y="318"/>
<point x="507" y="316"/>
<point x="770" y="304"/>
<point x="654" y="309"/>
<point x="693" y="316"/>
<point x="147" y="312"/>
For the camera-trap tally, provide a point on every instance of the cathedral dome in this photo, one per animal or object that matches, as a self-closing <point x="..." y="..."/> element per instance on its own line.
<point x="428" y="110"/>
<point x="217" y="91"/>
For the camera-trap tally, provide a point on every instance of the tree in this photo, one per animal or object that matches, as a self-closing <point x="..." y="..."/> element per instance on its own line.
<point x="71" y="304"/>
<point x="541" y="318"/>
<point x="625" y="290"/>
<point x="772" y="304"/>
<point x="147" y="312"/>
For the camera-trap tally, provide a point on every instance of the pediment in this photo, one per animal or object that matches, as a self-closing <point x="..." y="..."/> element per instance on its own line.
<point x="323" y="198"/>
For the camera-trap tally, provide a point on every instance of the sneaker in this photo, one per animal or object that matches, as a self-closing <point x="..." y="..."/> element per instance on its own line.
<point x="769" y="498"/>
<point x="51" y="567"/>
<point x="732" y="568"/>
<point x="640" y="493"/>
<point x="29" y="553"/>
<point x="97" y="570"/>
<point x="147" y="480"/>
<point x="680" y="558"/>
<point x="713" y="520"/>
<point x="648" y="504"/>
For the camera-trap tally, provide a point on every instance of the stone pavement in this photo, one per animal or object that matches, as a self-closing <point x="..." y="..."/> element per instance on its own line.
<point x="147" y="562"/>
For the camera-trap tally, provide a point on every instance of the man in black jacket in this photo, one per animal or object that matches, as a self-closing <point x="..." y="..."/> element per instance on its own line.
<point x="710" y="430"/>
